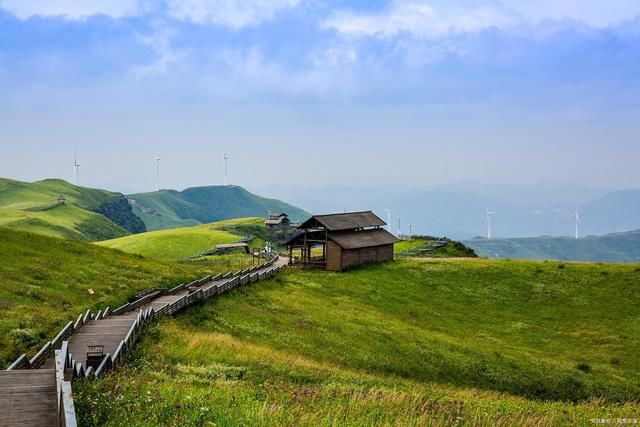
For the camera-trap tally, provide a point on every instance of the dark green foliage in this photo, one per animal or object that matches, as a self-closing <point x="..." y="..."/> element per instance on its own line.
<point x="119" y="211"/>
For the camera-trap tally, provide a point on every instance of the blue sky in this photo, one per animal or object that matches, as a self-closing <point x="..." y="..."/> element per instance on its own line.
<point x="388" y="92"/>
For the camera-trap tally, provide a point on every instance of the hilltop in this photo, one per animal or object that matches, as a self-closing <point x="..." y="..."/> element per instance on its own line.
<point x="616" y="247"/>
<point x="86" y="214"/>
<point x="200" y="205"/>
<point x="415" y="342"/>
<point x="176" y="244"/>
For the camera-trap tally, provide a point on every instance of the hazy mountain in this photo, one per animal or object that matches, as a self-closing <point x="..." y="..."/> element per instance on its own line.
<point x="459" y="212"/>
<point x="199" y="205"/>
<point x="618" y="247"/>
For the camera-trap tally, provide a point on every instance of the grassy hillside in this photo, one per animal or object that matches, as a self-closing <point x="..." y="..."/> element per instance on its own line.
<point x="432" y="247"/>
<point x="87" y="214"/>
<point x="415" y="342"/>
<point x="179" y="243"/>
<point x="170" y="208"/>
<point x="618" y="247"/>
<point x="44" y="282"/>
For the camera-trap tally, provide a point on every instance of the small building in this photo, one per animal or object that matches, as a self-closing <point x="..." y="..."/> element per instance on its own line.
<point x="228" y="247"/>
<point x="277" y="220"/>
<point x="340" y="241"/>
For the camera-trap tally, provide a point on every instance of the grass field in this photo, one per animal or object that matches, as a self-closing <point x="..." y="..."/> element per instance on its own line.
<point x="179" y="243"/>
<point x="415" y="342"/>
<point x="44" y="283"/>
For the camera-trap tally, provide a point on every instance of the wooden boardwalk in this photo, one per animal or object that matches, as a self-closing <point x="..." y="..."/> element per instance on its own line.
<point x="29" y="397"/>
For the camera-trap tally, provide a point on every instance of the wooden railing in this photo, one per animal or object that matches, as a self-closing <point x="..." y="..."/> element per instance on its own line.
<point x="47" y="351"/>
<point x="65" y="410"/>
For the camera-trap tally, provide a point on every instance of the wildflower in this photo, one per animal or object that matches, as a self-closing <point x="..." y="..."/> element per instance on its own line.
<point x="178" y="405"/>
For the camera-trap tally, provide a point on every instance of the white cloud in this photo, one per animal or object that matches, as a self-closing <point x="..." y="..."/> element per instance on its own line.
<point x="419" y="18"/>
<point x="594" y="13"/>
<point x="231" y="13"/>
<point x="438" y="18"/>
<point x="165" y="55"/>
<point x="72" y="9"/>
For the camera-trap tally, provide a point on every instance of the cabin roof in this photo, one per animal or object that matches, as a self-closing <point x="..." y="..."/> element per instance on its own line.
<point x="344" y="221"/>
<point x="348" y="239"/>
<point x="274" y="221"/>
<point x="363" y="238"/>
<point x="232" y="245"/>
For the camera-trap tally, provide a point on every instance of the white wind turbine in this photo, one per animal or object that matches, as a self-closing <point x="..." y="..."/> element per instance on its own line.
<point x="489" y="215"/>
<point x="76" y="167"/>
<point x="578" y="221"/>
<point x="388" y="220"/>
<point x="225" y="158"/>
<point x="157" y="160"/>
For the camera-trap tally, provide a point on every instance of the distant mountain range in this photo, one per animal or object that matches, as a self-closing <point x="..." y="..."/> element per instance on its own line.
<point x="616" y="247"/>
<point x="201" y="205"/>
<point x="57" y="208"/>
<point x="459" y="213"/>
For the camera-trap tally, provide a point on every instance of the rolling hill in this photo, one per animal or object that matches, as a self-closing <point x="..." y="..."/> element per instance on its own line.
<point x="200" y="205"/>
<point x="616" y="247"/>
<point x="177" y="244"/>
<point x="86" y="214"/>
<point x="415" y="342"/>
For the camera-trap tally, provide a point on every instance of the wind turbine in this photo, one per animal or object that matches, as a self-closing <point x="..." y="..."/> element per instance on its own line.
<point x="226" y="158"/>
<point x="157" y="160"/>
<point x="388" y="220"/>
<point x="489" y="214"/>
<point x="76" y="167"/>
<point x="578" y="221"/>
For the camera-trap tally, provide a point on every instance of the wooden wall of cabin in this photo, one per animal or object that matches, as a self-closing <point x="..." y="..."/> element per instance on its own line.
<point x="334" y="256"/>
<point x="355" y="257"/>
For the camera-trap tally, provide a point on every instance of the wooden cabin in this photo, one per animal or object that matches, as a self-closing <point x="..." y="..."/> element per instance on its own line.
<point x="277" y="220"/>
<point x="340" y="241"/>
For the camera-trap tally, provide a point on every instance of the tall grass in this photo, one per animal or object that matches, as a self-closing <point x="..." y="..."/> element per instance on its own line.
<point x="414" y="342"/>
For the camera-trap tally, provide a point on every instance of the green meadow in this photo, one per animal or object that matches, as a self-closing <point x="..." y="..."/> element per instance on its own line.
<point x="179" y="243"/>
<point x="45" y="282"/>
<point x="414" y="342"/>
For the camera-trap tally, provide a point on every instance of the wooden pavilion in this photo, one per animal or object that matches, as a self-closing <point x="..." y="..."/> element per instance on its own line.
<point x="339" y="241"/>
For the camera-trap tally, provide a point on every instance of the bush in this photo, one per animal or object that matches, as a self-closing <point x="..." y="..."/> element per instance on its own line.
<point x="583" y="367"/>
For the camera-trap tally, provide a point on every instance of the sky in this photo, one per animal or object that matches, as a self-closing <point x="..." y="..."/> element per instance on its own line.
<point x="409" y="93"/>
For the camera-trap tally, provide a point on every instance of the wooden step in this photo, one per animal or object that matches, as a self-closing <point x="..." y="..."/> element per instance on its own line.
<point x="28" y="398"/>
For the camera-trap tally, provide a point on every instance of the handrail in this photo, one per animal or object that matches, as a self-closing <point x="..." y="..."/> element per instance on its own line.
<point x="65" y="409"/>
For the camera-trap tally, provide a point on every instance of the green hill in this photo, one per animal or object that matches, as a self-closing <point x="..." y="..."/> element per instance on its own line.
<point x="86" y="214"/>
<point x="415" y="342"/>
<point x="201" y="205"/>
<point x="44" y="282"/>
<point x="179" y="243"/>
<point x="618" y="247"/>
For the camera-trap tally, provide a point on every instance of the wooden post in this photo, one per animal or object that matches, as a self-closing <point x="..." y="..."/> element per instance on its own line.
<point x="304" y="249"/>
<point x="324" y="248"/>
